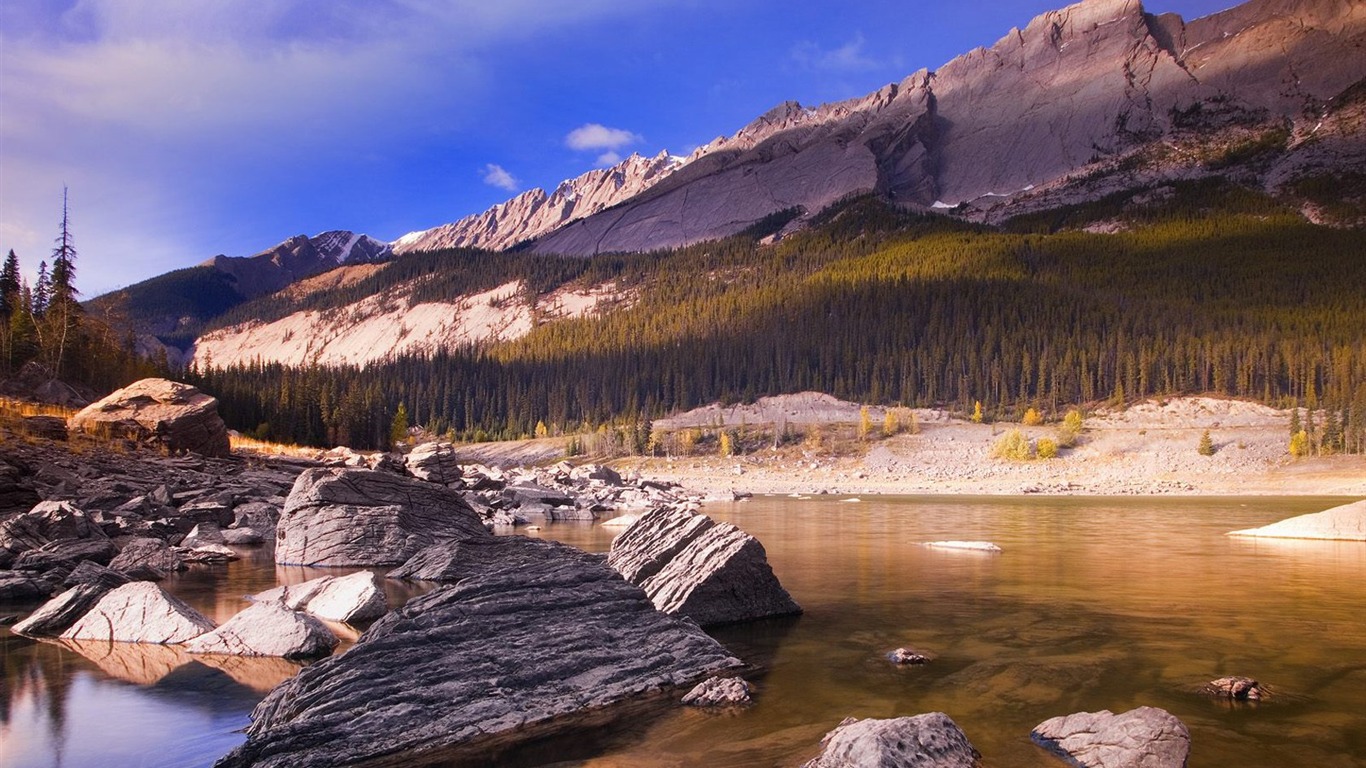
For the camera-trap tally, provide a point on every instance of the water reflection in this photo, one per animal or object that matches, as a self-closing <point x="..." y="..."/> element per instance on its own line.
<point x="1093" y="604"/>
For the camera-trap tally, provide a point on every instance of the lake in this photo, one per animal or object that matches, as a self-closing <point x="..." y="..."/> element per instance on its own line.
<point x="1095" y="603"/>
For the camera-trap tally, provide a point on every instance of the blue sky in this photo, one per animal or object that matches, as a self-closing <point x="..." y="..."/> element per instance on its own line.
<point x="189" y="129"/>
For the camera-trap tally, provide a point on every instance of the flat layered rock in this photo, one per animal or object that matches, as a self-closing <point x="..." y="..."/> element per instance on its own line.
<point x="453" y="561"/>
<point x="690" y="565"/>
<point x="351" y="599"/>
<point x="267" y="629"/>
<point x="147" y="556"/>
<point x="58" y="614"/>
<point x="931" y="740"/>
<point x="1146" y="737"/>
<point x="360" y="517"/>
<point x="438" y="679"/>
<point x="139" y="612"/>
<point x="1344" y="523"/>
<point x="47" y="522"/>
<point x="168" y="413"/>
<point x="434" y="462"/>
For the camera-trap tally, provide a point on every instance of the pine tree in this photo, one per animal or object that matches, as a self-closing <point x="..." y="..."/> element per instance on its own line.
<point x="62" y="310"/>
<point x="977" y="412"/>
<point x="9" y="285"/>
<point x="42" y="291"/>
<point x="1206" y="444"/>
<point x="398" y="430"/>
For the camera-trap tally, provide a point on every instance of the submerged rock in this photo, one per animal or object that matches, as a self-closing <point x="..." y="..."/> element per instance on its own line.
<point x="907" y="656"/>
<point x="430" y="679"/>
<point x="713" y="573"/>
<point x="967" y="546"/>
<point x="1146" y="737"/>
<point x="931" y="740"/>
<point x="140" y="612"/>
<point x="350" y="517"/>
<point x="267" y="629"/>
<point x="169" y="413"/>
<point x="1236" y="688"/>
<point x="1344" y="523"/>
<point x="351" y="599"/>
<point x="720" y="692"/>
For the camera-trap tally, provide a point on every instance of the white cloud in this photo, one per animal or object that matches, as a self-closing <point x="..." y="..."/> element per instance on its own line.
<point x="595" y="136"/>
<point x="849" y="57"/>
<point x="608" y="158"/>
<point x="496" y="176"/>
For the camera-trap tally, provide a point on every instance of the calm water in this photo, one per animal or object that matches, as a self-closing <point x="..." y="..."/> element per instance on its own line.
<point x="1094" y="604"/>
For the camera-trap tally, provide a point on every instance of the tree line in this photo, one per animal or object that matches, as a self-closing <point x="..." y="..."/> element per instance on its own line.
<point x="1237" y="298"/>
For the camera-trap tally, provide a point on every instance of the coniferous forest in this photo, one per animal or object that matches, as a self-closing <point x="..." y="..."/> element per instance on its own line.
<point x="1217" y="290"/>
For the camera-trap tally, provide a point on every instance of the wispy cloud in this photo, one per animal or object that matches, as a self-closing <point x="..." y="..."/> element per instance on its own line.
<point x="849" y="57"/>
<point x="608" y="158"/>
<point x="594" y="136"/>
<point x="496" y="176"/>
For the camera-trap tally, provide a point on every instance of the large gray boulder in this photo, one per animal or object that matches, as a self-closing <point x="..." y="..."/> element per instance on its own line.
<point x="931" y="740"/>
<point x="713" y="573"/>
<point x="360" y="517"/>
<point x="139" y="612"/>
<point x="1344" y="523"/>
<point x="434" y="462"/>
<point x="167" y="413"/>
<point x="267" y="629"/>
<point x="1146" y="737"/>
<point x="351" y="599"/>
<point x="58" y="614"/>
<point x="147" y="556"/>
<point x="439" y="679"/>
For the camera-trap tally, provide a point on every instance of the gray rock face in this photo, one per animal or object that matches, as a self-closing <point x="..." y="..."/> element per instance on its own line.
<point x="267" y="629"/>
<point x="147" y="555"/>
<point x="21" y="586"/>
<point x="177" y="416"/>
<point x="140" y="612"/>
<point x="924" y="741"/>
<point x="1145" y="737"/>
<point x="719" y="692"/>
<point x="47" y="522"/>
<point x="424" y="682"/>
<point x="351" y="599"/>
<point x="713" y="573"/>
<point x="453" y="561"/>
<point x="347" y="517"/>
<point x="66" y="553"/>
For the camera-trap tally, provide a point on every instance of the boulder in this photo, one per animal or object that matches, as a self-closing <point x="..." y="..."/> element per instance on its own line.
<point x="360" y="517"/>
<point x="267" y="629"/>
<point x="16" y="488"/>
<point x="713" y="573"/>
<point x="140" y="612"/>
<point x="1236" y="688"/>
<point x="201" y="534"/>
<point x="931" y="740"/>
<point x="351" y="599"/>
<point x="18" y="587"/>
<point x="93" y="573"/>
<point x="454" y="561"/>
<point x="243" y="537"/>
<point x="168" y="413"/>
<point x="1344" y="523"/>
<point x="256" y="515"/>
<point x="58" y="614"/>
<point x="719" y="692"/>
<point x="1146" y="737"/>
<point x="146" y="556"/>
<point x="434" y="462"/>
<point x="47" y="522"/>
<point x="427" y="682"/>
<point x="595" y="472"/>
<point x="66" y="553"/>
<point x="907" y="656"/>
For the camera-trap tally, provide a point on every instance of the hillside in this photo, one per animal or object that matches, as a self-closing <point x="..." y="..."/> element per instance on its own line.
<point x="1201" y="287"/>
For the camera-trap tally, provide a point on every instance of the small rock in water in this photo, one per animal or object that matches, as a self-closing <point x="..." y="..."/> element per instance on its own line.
<point x="267" y="629"/>
<point x="908" y="656"/>
<point x="1146" y="737"/>
<point x="968" y="546"/>
<point x="931" y="740"/>
<point x="1236" y="688"/>
<point x="719" y="692"/>
<point x="140" y="612"/>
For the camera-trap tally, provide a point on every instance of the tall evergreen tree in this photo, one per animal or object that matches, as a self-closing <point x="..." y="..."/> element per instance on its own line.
<point x="9" y="285"/>
<point x="62" y="310"/>
<point x="42" y="291"/>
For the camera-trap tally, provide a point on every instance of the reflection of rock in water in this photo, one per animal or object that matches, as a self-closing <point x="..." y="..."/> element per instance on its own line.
<point x="138" y="663"/>
<point x="205" y="687"/>
<point x="259" y="673"/>
<point x="757" y="642"/>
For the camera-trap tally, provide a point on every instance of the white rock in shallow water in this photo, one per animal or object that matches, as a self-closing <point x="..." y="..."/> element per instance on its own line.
<point x="931" y="740"/>
<point x="140" y="612"/>
<point x="973" y="546"/>
<point x="719" y="692"/>
<point x="1344" y="523"/>
<point x="267" y="629"/>
<point x="620" y="522"/>
<point x="1146" y="737"/>
<point x="349" y="599"/>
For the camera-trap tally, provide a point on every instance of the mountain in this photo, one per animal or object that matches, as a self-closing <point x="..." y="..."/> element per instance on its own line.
<point x="1082" y="101"/>
<point x="166" y="312"/>
<point x="534" y="213"/>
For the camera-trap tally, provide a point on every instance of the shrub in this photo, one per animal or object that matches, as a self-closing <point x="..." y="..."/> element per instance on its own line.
<point x="1070" y="431"/>
<point x="1206" y="444"/>
<point x="1032" y="418"/>
<point x="1014" y="446"/>
<point x="1047" y="449"/>
<point x="1299" y="444"/>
